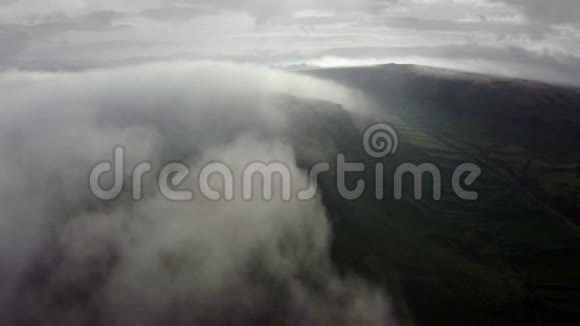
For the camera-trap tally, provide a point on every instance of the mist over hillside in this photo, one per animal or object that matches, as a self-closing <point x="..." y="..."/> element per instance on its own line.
<point x="528" y="129"/>
<point x="289" y="162"/>
<point x="69" y="258"/>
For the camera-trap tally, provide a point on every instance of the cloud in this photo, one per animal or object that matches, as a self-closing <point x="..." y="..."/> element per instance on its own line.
<point x="16" y="38"/>
<point x="265" y="9"/>
<point x="63" y="35"/>
<point x="173" y="12"/>
<point x="552" y="12"/>
<point x="501" y="29"/>
<point x="68" y="259"/>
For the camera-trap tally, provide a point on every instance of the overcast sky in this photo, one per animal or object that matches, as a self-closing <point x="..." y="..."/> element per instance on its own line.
<point x="535" y="38"/>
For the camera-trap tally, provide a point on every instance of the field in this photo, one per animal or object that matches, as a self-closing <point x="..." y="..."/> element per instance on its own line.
<point x="510" y="257"/>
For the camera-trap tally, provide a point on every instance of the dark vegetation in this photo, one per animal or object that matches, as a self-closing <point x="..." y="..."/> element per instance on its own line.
<point x="512" y="256"/>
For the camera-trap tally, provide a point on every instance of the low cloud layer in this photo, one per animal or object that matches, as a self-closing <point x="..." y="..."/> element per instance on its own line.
<point x="70" y="259"/>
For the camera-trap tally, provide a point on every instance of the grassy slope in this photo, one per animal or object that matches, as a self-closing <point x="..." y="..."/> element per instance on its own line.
<point x="509" y="257"/>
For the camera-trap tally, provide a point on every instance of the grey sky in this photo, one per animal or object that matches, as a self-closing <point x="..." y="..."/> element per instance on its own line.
<point x="76" y="34"/>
